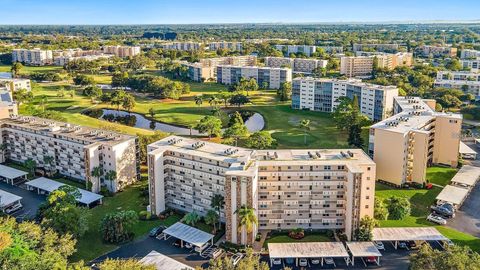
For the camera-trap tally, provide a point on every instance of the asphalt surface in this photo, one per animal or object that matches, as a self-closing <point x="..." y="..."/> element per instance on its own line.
<point x="467" y="218"/>
<point x="30" y="201"/>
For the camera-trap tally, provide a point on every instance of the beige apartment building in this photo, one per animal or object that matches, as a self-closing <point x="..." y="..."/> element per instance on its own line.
<point x="33" y="57"/>
<point x="387" y="61"/>
<point x="377" y="47"/>
<point x="467" y="81"/>
<point x="298" y="65"/>
<point x="417" y="136"/>
<point x="16" y="84"/>
<point x="437" y="51"/>
<point x="183" y="46"/>
<point x="76" y="150"/>
<point x="206" y="69"/>
<point x="122" y="51"/>
<point x="272" y="77"/>
<point x="310" y="189"/>
<point x="232" y="46"/>
<point x="63" y="57"/>
<point x="356" y="66"/>
<point x="8" y="107"/>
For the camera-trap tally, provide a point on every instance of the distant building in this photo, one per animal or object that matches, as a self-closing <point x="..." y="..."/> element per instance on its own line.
<point x="274" y="77"/>
<point x="182" y="46"/>
<point x="63" y="57"/>
<point x="232" y="46"/>
<point x="356" y="66"/>
<point x="206" y="69"/>
<point x="308" y="50"/>
<point x="122" y="51"/>
<point x="375" y="101"/>
<point x="16" y="84"/>
<point x="469" y="54"/>
<point x="32" y="57"/>
<point x="390" y="48"/>
<point x="8" y="107"/>
<point x="300" y="65"/>
<point x="469" y="82"/>
<point x="437" y="51"/>
<point x="331" y="49"/>
<point x="362" y="63"/>
<point x="472" y="64"/>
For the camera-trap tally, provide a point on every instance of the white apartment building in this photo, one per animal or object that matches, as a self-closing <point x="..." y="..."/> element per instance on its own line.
<point x="8" y="107"/>
<point x="299" y="65"/>
<point x="469" y="82"/>
<point x="32" y="57"/>
<point x="206" y="69"/>
<point x="63" y="57"/>
<point x="182" y="46"/>
<point x="310" y="189"/>
<point x="232" y="46"/>
<point x="308" y="50"/>
<point x="76" y="150"/>
<point x="472" y="64"/>
<point x="391" y="48"/>
<point x="375" y="101"/>
<point x="469" y="54"/>
<point x="331" y="49"/>
<point x="122" y="51"/>
<point x="273" y="77"/>
<point x="15" y="84"/>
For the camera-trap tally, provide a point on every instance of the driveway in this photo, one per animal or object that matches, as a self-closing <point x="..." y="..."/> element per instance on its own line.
<point x="467" y="218"/>
<point x="141" y="247"/>
<point x="30" y="201"/>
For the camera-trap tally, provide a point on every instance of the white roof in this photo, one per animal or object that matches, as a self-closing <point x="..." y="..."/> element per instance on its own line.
<point x="11" y="173"/>
<point x="467" y="175"/>
<point x="188" y="234"/>
<point x="306" y="250"/>
<point x="407" y="234"/>
<point x="50" y="185"/>
<point x="465" y="149"/>
<point x="453" y="194"/>
<point x="7" y="198"/>
<point x="363" y="249"/>
<point x="162" y="262"/>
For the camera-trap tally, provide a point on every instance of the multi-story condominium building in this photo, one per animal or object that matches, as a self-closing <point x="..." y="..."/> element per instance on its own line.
<point x="331" y="49"/>
<point x="391" y="48"/>
<point x="122" y="51"/>
<point x="63" y="57"/>
<point x="469" y="82"/>
<point x="206" y="69"/>
<point x="356" y="66"/>
<point x="300" y="65"/>
<point x="310" y="189"/>
<point x="416" y="136"/>
<point x="182" y="46"/>
<point x="76" y="150"/>
<point x="8" y="107"/>
<point x="273" y="77"/>
<point x="375" y="101"/>
<point x="232" y="46"/>
<point x="389" y="61"/>
<point x="472" y="64"/>
<point x="469" y="54"/>
<point x="15" y="84"/>
<point x="308" y="50"/>
<point x="33" y="57"/>
<point x="437" y="51"/>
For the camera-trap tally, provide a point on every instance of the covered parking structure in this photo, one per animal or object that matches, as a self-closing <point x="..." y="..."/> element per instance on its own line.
<point x="46" y="186"/>
<point x="162" y="262"/>
<point x="466" y="152"/>
<point x="189" y="234"/>
<point x="466" y="177"/>
<point x="363" y="250"/>
<point x="12" y="176"/>
<point x="307" y="250"/>
<point x="9" y="200"/>
<point x="397" y="234"/>
<point x="453" y="194"/>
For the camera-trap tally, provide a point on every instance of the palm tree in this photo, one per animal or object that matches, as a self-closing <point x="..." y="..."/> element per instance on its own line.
<point x="31" y="165"/>
<point x="305" y="125"/>
<point x="97" y="172"/>
<point x="3" y="148"/>
<point x="111" y="176"/>
<point x="48" y="162"/>
<point x="211" y="218"/>
<point x="198" y="100"/>
<point x="191" y="218"/>
<point x="217" y="203"/>
<point x="213" y="101"/>
<point x="247" y="217"/>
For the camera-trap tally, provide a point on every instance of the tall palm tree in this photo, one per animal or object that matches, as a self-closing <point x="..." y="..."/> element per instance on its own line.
<point x="247" y="217"/>
<point x="3" y="148"/>
<point x="111" y="176"/>
<point x="213" y="101"/>
<point x="198" y="100"/>
<point x="305" y="125"/>
<point x="191" y="218"/>
<point x="211" y="218"/>
<point x="48" y="162"/>
<point x="97" y="172"/>
<point x="217" y="203"/>
<point x="31" y="165"/>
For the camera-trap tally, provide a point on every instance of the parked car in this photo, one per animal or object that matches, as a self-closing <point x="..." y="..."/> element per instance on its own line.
<point x="277" y="261"/>
<point x="444" y="210"/>
<point x="289" y="261"/>
<point x="402" y="245"/>
<point x="416" y="244"/>
<point x="379" y="245"/>
<point x="436" y="219"/>
<point x="329" y="260"/>
<point x="13" y="208"/>
<point x="371" y="259"/>
<point x="448" y="242"/>
<point x="303" y="262"/>
<point x="156" y="231"/>
<point x="236" y="258"/>
<point x="315" y="261"/>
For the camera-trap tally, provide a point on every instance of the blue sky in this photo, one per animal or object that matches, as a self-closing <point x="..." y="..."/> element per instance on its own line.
<point x="231" y="11"/>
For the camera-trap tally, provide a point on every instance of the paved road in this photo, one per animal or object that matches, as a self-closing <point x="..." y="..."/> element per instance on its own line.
<point x="467" y="218"/>
<point x="30" y="201"/>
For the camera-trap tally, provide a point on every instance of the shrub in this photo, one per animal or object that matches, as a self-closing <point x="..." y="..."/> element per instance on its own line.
<point x="144" y="215"/>
<point x="297" y="233"/>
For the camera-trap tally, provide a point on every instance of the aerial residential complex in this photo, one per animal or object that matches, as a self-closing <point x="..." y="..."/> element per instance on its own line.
<point x="273" y="77"/>
<point x="469" y="54"/>
<point x="122" y="51"/>
<point x="33" y="57"/>
<point x="437" y="51"/>
<point x="298" y="65"/>
<point x="308" y="50"/>
<point x="375" y="101"/>
<point x="376" y="47"/>
<point x="469" y="82"/>
<point x="415" y="137"/>
<point x="206" y="69"/>
<point x="310" y="189"/>
<point x="362" y="64"/>
<point x="76" y="150"/>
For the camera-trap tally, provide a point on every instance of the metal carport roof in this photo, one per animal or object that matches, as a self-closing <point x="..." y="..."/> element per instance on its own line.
<point x="11" y="173"/>
<point x="363" y="249"/>
<point x="162" y="262"/>
<point x="306" y="250"/>
<point x="188" y="234"/>
<point x="453" y="194"/>
<point x="407" y="234"/>
<point x="7" y="198"/>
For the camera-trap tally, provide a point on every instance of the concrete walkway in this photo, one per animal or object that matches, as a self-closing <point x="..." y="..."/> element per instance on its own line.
<point x="258" y="245"/>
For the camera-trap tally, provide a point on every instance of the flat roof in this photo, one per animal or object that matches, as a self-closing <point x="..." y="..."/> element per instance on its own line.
<point x="162" y="262"/>
<point x="7" y="198"/>
<point x="307" y="250"/>
<point x="467" y="175"/>
<point x="50" y="185"/>
<point x="453" y="194"/>
<point x="188" y="234"/>
<point x="407" y="234"/>
<point x="11" y="173"/>
<point x="363" y="249"/>
<point x="465" y="149"/>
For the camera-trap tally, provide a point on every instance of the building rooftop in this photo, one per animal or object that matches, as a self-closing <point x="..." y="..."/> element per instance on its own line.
<point x="11" y="173"/>
<point x="352" y="81"/>
<point x="7" y="198"/>
<point x="163" y="262"/>
<point x="254" y="67"/>
<point x="188" y="234"/>
<point x="407" y="234"/>
<point x="453" y="194"/>
<point x="306" y="250"/>
<point x="363" y="249"/>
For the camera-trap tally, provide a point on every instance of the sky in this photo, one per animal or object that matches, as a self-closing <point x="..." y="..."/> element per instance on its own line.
<point x="233" y="11"/>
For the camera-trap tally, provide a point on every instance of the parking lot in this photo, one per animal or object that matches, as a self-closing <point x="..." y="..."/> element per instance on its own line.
<point x="30" y="201"/>
<point x="467" y="218"/>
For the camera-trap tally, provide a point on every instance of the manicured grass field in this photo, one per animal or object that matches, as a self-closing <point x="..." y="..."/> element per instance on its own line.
<point x="440" y="175"/>
<point x="31" y="69"/>
<point x="309" y="237"/>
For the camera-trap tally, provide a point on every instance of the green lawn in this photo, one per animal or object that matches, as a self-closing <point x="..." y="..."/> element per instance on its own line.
<point x="309" y="237"/>
<point x="440" y="175"/>
<point x="30" y="69"/>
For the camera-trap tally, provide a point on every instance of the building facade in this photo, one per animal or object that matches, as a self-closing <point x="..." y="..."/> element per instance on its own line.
<point x="391" y="48"/>
<point x="356" y="66"/>
<point x="273" y="77"/>
<point x="182" y="46"/>
<point x="308" y="50"/>
<point x="375" y="101"/>
<point x="298" y="65"/>
<point x="437" y="51"/>
<point x="206" y="69"/>
<point x="469" y="54"/>
<point x="310" y="189"/>
<point x="404" y="145"/>
<point x="8" y="107"/>
<point x="469" y="82"/>
<point x="16" y="84"/>
<point x="122" y="51"/>
<point x="32" y="57"/>
<point x="472" y="64"/>
<point x="76" y="150"/>
<point x="232" y="46"/>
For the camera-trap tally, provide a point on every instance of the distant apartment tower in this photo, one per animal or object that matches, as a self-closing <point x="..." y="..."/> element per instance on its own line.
<point x="308" y="50"/>
<point x="76" y="150"/>
<point x="471" y="64"/>
<point x="299" y="65"/>
<point x="8" y="107"/>
<point x="389" y="61"/>
<point x="206" y="69"/>
<point x="356" y="66"/>
<point x="469" y="54"/>
<point x="273" y="77"/>
<point x="390" y="48"/>
<point x="309" y="189"/>
<point x="32" y="57"/>
<point x="331" y="49"/>
<point x="469" y="82"/>
<point x="415" y="137"/>
<point x="232" y="46"/>
<point x="375" y="101"/>
<point x="15" y="84"/>
<point x="182" y="46"/>
<point x="63" y="57"/>
<point x="122" y="51"/>
<point x="437" y="51"/>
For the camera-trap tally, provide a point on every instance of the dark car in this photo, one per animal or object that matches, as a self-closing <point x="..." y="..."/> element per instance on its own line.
<point x="444" y="210"/>
<point x="156" y="231"/>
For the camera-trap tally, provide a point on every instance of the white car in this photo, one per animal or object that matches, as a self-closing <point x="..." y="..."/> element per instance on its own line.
<point x="329" y="260"/>
<point x="436" y="219"/>
<point x="277" y="261"/>
<point x="448" y="242"/>
<point x="236" y="258"/>
<point x="303" y="262"/>
<point x="315" y="261"/>
<point x="379" y="245"/>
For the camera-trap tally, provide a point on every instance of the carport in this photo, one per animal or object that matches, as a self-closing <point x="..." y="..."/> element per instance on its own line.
<point x="162" y="262"/>
<point x="11" y="175"/>
<point x="452" y="194"/>
<point x="46" y="186"/>
<point x="363" y="250"/>
<point x="396" y="234"/>
<point x="8" y="199"/>
<point x="189" y="234"/>
<point x="467" y="176"/>
<point x="307" y="250"/>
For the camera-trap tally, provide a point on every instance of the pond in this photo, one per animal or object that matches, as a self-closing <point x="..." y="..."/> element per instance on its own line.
<point x="253" y="123"/>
